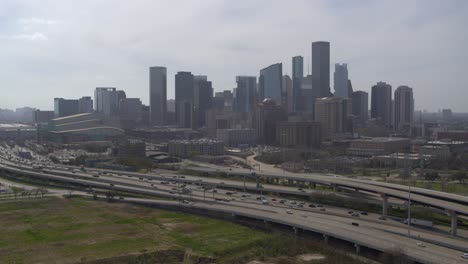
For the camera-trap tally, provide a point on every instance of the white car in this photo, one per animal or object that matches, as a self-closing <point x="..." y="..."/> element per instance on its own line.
<point x="421" y="244"/>
<point x="289" y="212"/>
<point x="465" y="255"/>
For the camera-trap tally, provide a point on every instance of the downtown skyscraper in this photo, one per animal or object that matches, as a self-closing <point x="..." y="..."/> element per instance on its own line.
<point x="341" y="81"/>
<point x="297" y="75"/>
<point x="404" y="108"/>
<point x="184" y="98"/>
<point x="381" y="103"/>
<point x="270" y="83"/>
<point x="321" y="67"/>
<point x="158" y="95"/>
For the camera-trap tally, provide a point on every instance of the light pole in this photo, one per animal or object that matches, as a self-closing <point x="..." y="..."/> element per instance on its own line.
<point x="409" y="209"/>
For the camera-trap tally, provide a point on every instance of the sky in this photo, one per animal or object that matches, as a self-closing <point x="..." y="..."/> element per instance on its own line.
<point x="66" y="48"/>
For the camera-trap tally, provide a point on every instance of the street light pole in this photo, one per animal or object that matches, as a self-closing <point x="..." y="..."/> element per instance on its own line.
<point x="409" y="208"/>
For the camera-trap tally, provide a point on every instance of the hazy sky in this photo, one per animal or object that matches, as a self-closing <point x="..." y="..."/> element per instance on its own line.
<point x="66" y="48"/>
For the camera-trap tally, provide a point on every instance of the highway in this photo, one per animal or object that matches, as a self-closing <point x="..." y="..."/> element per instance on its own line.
<point x="333" y="222"/>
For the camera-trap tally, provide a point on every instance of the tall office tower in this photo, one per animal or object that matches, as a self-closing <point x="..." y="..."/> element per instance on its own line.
<point x="404" y="108"/>
<point x="130" y="109"/>
<point x="341" y="80"/>
<point x="270" y="82"/>
<point x="245" y="94"/>
<point x="331" y="112"/>
<point x="203" y="98"/>
<point x="287" y="93"/>
<point x="106" y="100"/>
<point x="297" y="75"/>
<point x="321" y="67"/>
<point x="267" y="115"/>
<point x="158" y="95"/>
<point x="360" y="105"/>
<point x="350" y="87"/>
<point x="65" y="107"/>
<point x="85" y="104"/>
<point x="184" y="96"/>
<point x="381" y="103"/>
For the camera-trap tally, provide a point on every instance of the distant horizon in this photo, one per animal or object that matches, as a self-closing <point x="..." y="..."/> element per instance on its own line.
<point x="69" y="50"/>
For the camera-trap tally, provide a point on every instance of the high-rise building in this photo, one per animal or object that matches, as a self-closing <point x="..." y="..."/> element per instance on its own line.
<point x="106" y="100"/>
<point x="131" y="109"/>
<point x="360" y="105"/>
<point x="331" y="113"/>
<point x="404" y="108"/>
<point x="270" y="82"/>
<point x="184" y="96"/>
<point x="245" y="94"/>
<point x="381" y="103"/>
<point x="85" y="104"/>
<point x="203" y="99"/>
<point x="158" y="95"/>
<point x="287" y="93"/>
<point x="297" y="75"/>
<point x="65" y="107"/>
<point x="267" y="114"/>
<point x="321" y="66"/>
<point x="341" y="80"/>
<point x="42" y="116"/>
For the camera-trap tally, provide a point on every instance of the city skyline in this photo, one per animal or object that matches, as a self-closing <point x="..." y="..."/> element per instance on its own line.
<point x="39" y="57"/>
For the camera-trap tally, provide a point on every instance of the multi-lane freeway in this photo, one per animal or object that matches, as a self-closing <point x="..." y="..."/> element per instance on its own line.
<point x="218" y="195"/>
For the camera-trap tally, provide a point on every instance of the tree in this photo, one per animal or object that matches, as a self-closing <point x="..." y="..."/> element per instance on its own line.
<point x="460" y="176"/>
<point x="431" y="176"/>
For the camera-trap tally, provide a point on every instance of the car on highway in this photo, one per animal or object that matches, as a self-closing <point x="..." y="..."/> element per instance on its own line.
<point x="355" y="214"/>
<point x="289" y="212"/>
<point x="319" y="205"/>
<point x="304" y="215"/>
<point x="312" y="205"/>
<point x="465" y="255"/>
<point x="364" y="213"/>
<point x="421" y="244"/>
<point x="322" y="209"/>
<point x="264" y="202"/>
<point x="355" y="224"/>
<point x="382" y="218"/>
<point x="283" y="201"/>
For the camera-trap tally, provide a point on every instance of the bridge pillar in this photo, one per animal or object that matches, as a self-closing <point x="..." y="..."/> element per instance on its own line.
<point x="325" y="238"/>
<point x="334" y="187"/>
<point x="314" y="185"/>
<point x="384" y="204"/>
<point x="295" y="230"/>
<point x="454" y="224"/>
<point x="358" y="248"/>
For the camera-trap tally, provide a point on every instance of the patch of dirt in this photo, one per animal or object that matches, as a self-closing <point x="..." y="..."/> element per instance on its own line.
<point x="310" y="257"/>
<point x="187" y="228"/>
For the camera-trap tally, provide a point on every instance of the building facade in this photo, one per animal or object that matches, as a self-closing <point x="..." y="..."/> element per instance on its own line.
<point x="360" y="105"/>
<point x="321" y="67"/>
<point x="404" y="108"/>
<point x="190" y="148"/>
<point x="267" y="114"/>
<point x="237" y="137"/>
<point x="158" y="95"/>
<point x="106" y="100"/>
<point x="381" y="103"/>
<point x="270" y="82"/>
<point x="245" y="97"/>
<point x="341" y="80"/>
<point x="330" y="112"/>
<point x="297" y="75"/>
<point x="299" y="134"/>
<point x="184" y="97"/>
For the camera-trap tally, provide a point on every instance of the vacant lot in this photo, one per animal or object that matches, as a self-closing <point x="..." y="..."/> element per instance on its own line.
<point x="54" y="230"/>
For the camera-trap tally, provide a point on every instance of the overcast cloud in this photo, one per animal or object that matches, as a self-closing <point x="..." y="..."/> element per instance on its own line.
<point x="66" y="48"/>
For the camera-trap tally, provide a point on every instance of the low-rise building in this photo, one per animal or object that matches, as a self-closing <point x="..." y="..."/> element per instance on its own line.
<point x="190" y="148"/>
<point x="237" y="137"/>
<point x="377" y="146"/>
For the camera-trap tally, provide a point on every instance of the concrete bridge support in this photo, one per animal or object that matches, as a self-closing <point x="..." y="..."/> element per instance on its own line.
<point x="384" y="204"/>
<point x="358" y="248"/>
<point x="454" y="223"/>
<point x="325" y="238"/>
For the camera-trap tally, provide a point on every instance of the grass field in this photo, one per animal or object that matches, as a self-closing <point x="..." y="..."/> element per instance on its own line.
<point x="54" y="230"/>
